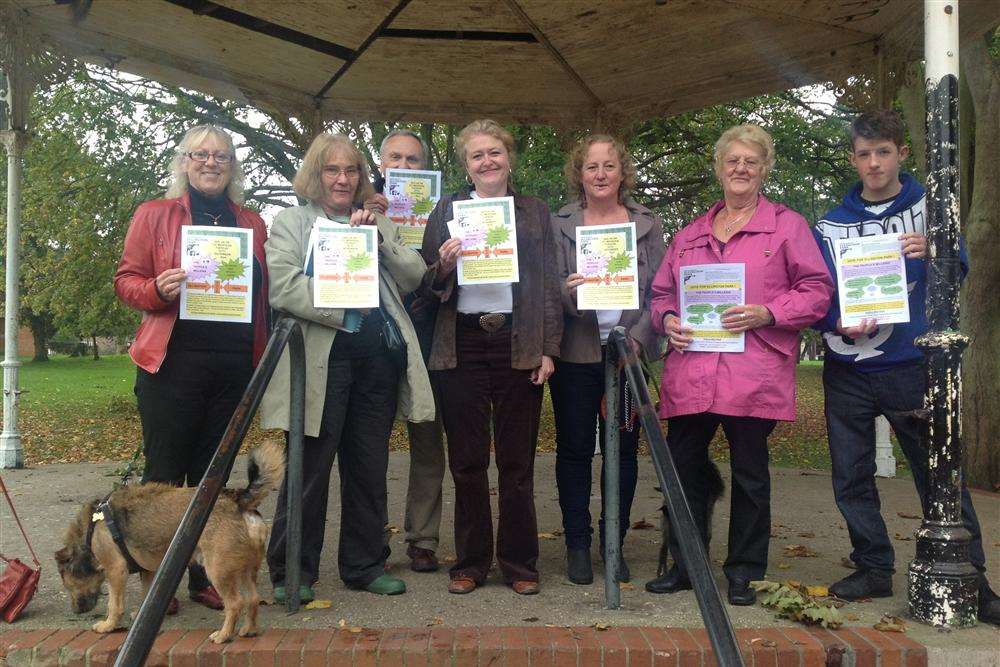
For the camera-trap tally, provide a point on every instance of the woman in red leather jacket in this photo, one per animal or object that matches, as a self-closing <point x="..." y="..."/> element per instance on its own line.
<point x="191" y="373"/>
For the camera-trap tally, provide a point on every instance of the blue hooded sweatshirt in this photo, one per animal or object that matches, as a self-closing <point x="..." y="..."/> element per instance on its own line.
<point x="892" y="344"/>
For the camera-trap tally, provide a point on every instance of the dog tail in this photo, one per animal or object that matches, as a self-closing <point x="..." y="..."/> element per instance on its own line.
<point x="265" y="471"/>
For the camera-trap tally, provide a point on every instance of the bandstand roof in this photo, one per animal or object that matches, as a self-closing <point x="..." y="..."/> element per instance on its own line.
<point x="525" y="61"/>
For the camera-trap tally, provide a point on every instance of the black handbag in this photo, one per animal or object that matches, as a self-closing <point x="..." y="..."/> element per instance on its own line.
<point x="393" y="340"/>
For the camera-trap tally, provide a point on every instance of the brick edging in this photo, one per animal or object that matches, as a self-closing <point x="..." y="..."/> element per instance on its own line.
<point x="517" y="645"/>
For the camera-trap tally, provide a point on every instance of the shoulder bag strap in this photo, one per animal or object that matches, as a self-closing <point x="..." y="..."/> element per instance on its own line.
<point x="14" y="512"/>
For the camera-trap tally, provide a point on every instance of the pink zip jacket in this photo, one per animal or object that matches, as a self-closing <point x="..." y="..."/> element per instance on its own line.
<point x="785" y="272"/>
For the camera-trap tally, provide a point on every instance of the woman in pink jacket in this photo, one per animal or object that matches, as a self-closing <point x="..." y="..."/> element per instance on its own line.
<point x="787" y="288"/>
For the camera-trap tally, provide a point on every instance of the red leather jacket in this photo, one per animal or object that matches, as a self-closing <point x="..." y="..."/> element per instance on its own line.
<point x="153" y="245"/>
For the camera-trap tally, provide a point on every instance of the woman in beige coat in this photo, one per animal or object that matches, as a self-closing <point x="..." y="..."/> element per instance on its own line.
<point x="354" y="388"/>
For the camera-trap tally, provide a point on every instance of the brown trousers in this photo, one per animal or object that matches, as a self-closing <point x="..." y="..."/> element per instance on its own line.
<point x="484" y="391"/>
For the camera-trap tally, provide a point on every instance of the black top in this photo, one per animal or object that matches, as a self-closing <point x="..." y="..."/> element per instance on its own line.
<point x="366" y="342"/>
<point x="197" y="335"/>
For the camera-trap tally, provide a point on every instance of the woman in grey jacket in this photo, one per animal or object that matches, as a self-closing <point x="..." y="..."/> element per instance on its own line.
<point x="601" y="173"/>
<point x="354" y="388"/>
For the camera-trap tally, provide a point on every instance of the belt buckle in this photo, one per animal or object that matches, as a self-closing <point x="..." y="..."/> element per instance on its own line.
<point x="492" y="322"/>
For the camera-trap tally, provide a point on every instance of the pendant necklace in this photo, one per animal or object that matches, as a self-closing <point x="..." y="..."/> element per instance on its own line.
<point x="728" y="227"/>
<point x="214" y="218"/>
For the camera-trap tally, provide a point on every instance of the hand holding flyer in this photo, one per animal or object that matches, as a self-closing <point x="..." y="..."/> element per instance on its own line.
<point x="489" y="240"/>
<point x="606" y="256"/>
<point x="219" y="266"/>
<point x="707" y="291"/>
<point x="871" y="280"/>
<point x="345" y="261"/>
<point x="412" y="195"/>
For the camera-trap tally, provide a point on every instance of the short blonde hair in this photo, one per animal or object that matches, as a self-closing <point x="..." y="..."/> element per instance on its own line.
<point x="488" y="127"/>
<point x="573" y="169"/>
<point x="308" y="181"/>
<point x="191" y="141"/>
<point x="748" y="134"/>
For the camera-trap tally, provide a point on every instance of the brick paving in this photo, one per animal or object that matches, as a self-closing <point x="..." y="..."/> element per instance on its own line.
<point x="529" y="646"/>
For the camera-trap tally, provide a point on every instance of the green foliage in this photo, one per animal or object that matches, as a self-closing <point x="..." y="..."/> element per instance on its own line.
<point x="497" y="236"/>
<point x="358" y="262"/>
<point x="231" y="269"/>
<point x="796" y="602"/>
<point x="619" y="263"/>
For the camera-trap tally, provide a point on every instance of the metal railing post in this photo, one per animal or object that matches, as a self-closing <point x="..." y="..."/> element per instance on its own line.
<point x="610" y="496"/>
<point x="293" y="473"/>
<point x="147" y="621"/>
<point x="717" y="623"/>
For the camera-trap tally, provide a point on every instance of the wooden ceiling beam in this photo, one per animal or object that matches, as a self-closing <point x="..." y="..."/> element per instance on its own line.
<point x="375" y="34"/>
<point x="264" y="27"/>
<point x="554" y="52"/>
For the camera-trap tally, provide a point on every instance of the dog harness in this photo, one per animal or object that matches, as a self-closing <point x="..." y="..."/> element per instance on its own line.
<point x="104" y="513"/>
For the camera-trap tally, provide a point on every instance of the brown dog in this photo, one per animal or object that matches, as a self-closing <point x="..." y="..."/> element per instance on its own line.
<point x="231" y="547"/>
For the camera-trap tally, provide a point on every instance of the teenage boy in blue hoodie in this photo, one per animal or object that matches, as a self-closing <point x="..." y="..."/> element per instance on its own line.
<point x="873" y="369"/>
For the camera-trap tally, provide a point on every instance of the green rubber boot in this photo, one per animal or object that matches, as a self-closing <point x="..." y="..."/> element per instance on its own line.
<point x="387" y="585"/>
<point x="306" y="594"/>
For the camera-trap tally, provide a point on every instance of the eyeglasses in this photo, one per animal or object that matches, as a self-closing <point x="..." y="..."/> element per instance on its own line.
<point x="751" y="163"/>
<point x="222" y="157"/>
<point x="335" y="172"/>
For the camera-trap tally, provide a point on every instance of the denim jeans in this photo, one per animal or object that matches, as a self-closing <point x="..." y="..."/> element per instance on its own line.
<point x="577" y="390"/>
<point x="852" y="402"/>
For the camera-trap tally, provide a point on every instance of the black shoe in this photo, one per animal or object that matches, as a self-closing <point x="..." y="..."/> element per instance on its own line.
<point x="989" y="603"/>
<point x="671" y="582"/>
<point x="864" y="584"/>
<point x="578" y="567"/>
<point x="740" y="593"/>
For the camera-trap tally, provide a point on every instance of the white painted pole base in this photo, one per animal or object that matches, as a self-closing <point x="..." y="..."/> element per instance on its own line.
<point x="885" y="462"/>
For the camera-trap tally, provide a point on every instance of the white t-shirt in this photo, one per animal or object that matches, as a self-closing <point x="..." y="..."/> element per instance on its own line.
<point x="495" y="298"/>
<point x="606" y="321"/>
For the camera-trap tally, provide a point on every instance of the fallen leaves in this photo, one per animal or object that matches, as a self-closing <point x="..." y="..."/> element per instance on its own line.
<point x="626" y="586"/>
<point x="319" y="604"/>
<point x="903" y="538"/>
<point x="797" y="602"/>
<point x="905" y="515"/>
<point x="890" y="624"/>
<point x="642" y="524"/>
<point x="600" y="627"/>
<point x="799" y="551"/>
<point x="354" y="629"/>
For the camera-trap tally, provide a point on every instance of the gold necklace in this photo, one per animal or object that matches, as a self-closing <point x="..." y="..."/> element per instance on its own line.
<point x="215" y="219"/>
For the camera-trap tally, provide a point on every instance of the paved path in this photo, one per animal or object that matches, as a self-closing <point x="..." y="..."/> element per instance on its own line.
<point x="804" y="514"/>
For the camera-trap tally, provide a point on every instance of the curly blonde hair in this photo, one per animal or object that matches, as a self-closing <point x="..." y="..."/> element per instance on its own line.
<point x="191" y="141"/>
<point x="488" y="127"/>
<point x="748" y="134"/>
<point x="573" y="169"/>
<point x="308" y="181"/>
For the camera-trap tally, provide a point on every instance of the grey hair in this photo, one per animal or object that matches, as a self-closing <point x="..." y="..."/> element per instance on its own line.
<point x="192" y="139"/>
<point x="405" y="133"/>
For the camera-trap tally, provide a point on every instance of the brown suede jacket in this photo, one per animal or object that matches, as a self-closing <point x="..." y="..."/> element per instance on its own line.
<point x="537" y="314"/>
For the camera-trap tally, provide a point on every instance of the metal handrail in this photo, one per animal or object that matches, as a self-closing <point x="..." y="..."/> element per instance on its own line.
<point x="146" y="624"/>
<point x="713" y="613"/>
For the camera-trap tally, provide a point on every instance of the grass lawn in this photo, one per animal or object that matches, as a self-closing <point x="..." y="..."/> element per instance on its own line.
<point x="78" y="409"/>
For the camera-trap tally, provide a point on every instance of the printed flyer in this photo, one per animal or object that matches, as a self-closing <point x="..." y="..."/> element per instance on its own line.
<point x="489" y="240"/>
<point x="707" y="291"/>
<point x="871" y="280"/>
<point x="412" y="195"/>
<point x="345" y="265"/>
<point x="606" y="256"/>
<point x="219" y="266"/>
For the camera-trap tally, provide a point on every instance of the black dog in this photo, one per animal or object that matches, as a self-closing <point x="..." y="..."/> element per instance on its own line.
<point x="666" y="581"/>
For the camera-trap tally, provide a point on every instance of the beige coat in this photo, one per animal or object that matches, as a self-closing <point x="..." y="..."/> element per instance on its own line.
<point x="291" y="292"/>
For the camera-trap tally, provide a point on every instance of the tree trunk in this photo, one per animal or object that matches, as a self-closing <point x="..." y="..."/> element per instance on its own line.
<point x="911" y="97"/>
<point x="93" y="341"/>
<point x="980" y="305"/>
<point x="41" y="342"/>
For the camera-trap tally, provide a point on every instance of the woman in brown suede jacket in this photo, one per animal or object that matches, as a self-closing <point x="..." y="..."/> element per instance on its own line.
<point x="494" y="348"/>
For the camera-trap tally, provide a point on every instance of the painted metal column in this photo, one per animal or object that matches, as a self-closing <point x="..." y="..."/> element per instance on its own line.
<point x="885" y="462"/>
<point x="15" y="137"/>
<point x="943" y="585"/>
